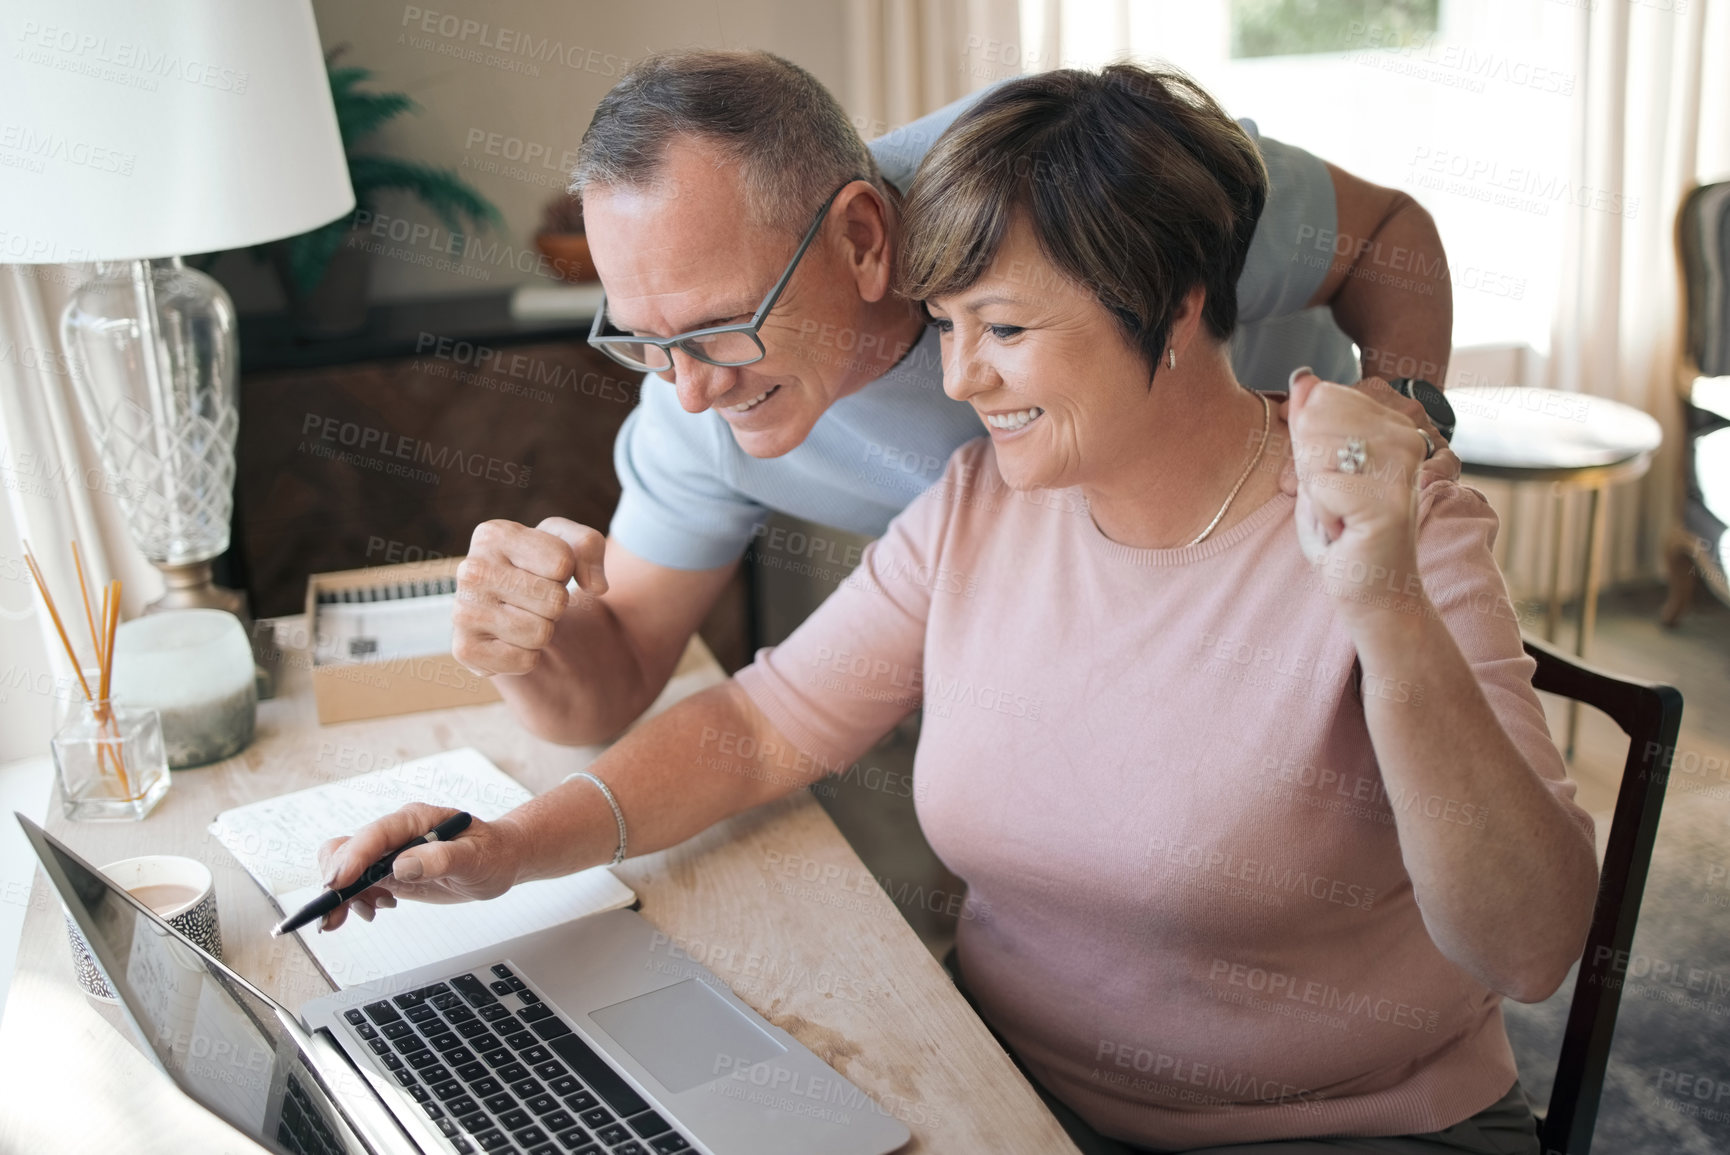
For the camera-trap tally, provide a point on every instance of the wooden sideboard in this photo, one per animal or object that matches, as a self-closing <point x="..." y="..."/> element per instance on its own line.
<point x="393" y="444"/>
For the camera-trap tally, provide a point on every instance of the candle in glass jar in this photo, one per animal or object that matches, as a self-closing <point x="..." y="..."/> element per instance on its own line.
<point x="194" y="667"/>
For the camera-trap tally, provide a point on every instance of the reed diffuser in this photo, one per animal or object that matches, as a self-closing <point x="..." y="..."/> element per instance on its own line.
<point x="109" y="757"/>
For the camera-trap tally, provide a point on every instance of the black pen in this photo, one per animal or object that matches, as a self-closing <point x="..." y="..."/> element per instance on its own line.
<point x="371" y="876"/>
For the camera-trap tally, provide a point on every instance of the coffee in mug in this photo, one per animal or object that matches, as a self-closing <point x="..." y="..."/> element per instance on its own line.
<point x="181" y="891"/>
<point x="165" y="898"/>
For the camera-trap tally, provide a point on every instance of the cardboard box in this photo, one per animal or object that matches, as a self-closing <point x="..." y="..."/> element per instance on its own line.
<point x="350" y="681"/>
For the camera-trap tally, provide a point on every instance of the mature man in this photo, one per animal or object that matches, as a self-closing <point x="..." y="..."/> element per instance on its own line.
<point x="729" y="189"/>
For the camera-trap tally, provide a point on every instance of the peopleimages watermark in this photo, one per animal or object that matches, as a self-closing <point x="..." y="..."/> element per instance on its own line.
<point x="42" y="252"/>
<point x="1281" y="988"/>
<point x="1273" y="879"/>
<point x="1424" y="56"/>
<point x="1517" y="187"/>
<point x="508" y="49"/>
<point x="1253" y="662"/>
<point x="768" y="974"/>
<point x="121" y="61"/>
<point x="1675" y="981"/>
<point x="436" y="247"/>
<point x="1692" y="1093"/>
<point x="746" y="756"/>
<point x="987" y="58"/>
<point x="1362" y="795"/>
<point x="397" y="552"/>
<point x="1491" y="399"/>
<point x="524" y="372"/>
<point x="38" y="358"/>
<point x="811" y="553"/>
<point x="364" y="439"/>
<point x="830" y="1098"/>
<point x="31" y="472"/>
<point x="1694" y="767"/>
<point x="1173" y="1076"/>
<point x="766" y="754"/>
<point x="31" y="149"/>
<point x="862" y="675"/>
<point x="869" y="348"/>
<point x="855" y="889"/>
<point x="1400" y="266"/>
<point x="42" y="682"/>
<point x="514" y="158"/>
<point x="406" y="779"/>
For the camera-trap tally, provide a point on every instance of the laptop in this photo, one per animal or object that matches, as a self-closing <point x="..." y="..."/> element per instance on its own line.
<point x="597" y="1036"/>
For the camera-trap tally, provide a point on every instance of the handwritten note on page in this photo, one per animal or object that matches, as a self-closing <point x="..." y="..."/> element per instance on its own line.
<point x="277" y="841"/>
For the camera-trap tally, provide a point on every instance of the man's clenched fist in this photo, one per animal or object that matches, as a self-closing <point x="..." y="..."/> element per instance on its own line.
<point x="512" y="590"/>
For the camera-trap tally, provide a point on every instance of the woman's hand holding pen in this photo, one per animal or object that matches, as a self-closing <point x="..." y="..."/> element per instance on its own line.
<point x="483" y="863"/>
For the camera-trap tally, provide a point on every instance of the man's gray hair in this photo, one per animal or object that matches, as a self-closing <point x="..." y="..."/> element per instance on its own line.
<point x="792" y="141"/>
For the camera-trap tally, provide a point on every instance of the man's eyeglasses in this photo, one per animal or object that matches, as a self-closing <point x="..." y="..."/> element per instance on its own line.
<point x="724" y="345"/>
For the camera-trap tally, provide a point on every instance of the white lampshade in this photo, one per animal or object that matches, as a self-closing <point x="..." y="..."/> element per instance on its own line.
<point x="133" y="129"/>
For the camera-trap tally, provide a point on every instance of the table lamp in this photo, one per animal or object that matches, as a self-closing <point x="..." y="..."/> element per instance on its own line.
<point x="133" y="133"/>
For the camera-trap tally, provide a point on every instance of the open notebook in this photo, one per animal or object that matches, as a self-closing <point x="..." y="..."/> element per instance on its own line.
<point x="277" y="841"/>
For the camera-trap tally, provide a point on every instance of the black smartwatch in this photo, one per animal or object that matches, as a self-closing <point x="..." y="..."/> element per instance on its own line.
<point x="1435" y="404"/>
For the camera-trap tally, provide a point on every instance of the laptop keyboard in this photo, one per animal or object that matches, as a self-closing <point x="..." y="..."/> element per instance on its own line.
<point x="301" y="1129"/>
<point x="498" y="1071"/>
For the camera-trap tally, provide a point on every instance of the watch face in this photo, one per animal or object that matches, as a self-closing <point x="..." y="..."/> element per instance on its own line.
<point x="1434" y="402"/>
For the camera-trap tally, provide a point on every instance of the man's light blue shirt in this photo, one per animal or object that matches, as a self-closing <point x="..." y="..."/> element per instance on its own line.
<point x="693" y="499"/>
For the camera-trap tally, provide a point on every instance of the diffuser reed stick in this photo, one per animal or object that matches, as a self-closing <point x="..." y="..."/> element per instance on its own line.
<point x="102" y="642"/>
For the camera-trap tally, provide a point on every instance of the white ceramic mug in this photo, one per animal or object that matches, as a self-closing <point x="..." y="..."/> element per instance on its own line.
<point x="182" y="891"/>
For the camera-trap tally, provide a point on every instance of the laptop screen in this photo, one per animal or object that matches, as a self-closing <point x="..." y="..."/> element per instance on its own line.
<point x="222" y="1043"/>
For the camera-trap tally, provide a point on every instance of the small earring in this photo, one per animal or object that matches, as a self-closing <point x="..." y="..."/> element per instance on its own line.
<point x="1171" y="358"/>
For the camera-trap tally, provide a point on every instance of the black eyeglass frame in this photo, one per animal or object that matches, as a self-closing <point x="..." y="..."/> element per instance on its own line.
<point x="749" y="328"/>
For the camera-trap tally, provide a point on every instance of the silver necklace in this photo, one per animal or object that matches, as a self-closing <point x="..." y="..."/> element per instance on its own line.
<point x="1266" y="421"/>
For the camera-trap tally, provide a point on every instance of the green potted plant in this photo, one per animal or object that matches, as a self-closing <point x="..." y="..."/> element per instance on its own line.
<point x="325" y="273"/>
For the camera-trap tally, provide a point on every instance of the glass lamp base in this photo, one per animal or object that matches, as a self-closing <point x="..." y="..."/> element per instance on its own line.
<point x="190" y="586"/>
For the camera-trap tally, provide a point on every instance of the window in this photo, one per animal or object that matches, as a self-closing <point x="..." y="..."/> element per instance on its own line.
<point x="1467" y="105"/>
<point x="1294" y="27"/>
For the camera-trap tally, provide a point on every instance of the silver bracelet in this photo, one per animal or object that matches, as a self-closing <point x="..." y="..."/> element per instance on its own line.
<point x="618" y="815"/>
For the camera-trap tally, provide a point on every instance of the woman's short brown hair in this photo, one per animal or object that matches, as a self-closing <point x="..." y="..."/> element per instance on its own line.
<point x="1136" y="183"/>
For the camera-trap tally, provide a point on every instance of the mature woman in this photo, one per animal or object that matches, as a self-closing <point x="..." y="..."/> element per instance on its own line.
<point x="1258" y="811"/>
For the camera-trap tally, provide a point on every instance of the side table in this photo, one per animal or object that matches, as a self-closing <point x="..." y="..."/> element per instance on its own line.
<point x="1570" y="442"/>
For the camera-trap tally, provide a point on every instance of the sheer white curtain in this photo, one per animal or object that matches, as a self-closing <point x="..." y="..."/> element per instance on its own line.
<point x="55" y="491"/>
<point x="1654" y="121"/>
<point x="910" y="57"/>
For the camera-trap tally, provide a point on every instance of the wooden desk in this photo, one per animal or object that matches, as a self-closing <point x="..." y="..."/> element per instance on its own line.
<point x="833" y="964"/>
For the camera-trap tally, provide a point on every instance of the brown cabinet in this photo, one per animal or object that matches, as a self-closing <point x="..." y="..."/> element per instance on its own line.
<point x="393" y="446"/>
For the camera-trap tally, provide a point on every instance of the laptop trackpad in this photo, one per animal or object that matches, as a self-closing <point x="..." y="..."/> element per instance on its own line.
<point x="686" y="1035"/>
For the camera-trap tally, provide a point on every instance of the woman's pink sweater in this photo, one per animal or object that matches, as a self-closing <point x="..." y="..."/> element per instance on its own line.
<point x="1187" y="910"/>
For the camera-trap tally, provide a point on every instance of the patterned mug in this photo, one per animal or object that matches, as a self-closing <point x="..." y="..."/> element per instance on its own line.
<point x="181" y="890"/>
